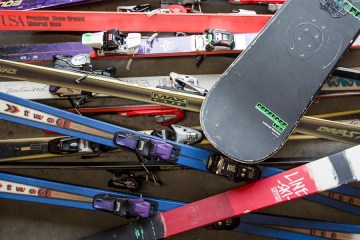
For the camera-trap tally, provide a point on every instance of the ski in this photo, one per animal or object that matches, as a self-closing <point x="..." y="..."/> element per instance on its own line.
<point x="345" y="204"/>
<point x="146" y="146"/>
<point x="142" y="89"/>
<point x="39" y="4"/>
<point x="320" y="175"/>
<point x="62" y="146"/>
<point x="48" y="192"/>
<point x="41" y="191"/>
<point x="110" y="86"/>
<point x="85" y="21"/>
<point x="310" y="42"/>
<point x="125" y="166"/>
<point x="334" y="87"/>
<point x="159" y="47"/>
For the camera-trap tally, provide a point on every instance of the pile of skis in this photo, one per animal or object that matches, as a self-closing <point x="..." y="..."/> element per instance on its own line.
<point x="247" y="114"/>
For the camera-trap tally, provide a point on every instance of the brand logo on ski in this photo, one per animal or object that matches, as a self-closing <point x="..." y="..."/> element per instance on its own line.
<point x="340" y="132"/>
<point x="10" y="4"/>
<point x="27" y="113"/>
<point x="290" y="185"/>
<point x="12" y="109"/>
<point x="12" y="21"/>
<point x="9" y="70"/>
<point x="172" y="100"/>
<point x="12" y="187"/>
<point x="278" y="124"/>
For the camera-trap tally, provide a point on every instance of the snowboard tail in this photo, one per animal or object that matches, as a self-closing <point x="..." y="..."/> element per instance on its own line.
<point x="265" y="94"/>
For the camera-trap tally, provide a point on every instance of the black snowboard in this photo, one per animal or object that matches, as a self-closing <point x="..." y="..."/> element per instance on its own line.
<point x="254" y="106"/>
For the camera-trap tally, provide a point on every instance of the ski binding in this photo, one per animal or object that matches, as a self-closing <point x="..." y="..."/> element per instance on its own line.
<point x="146" y="147"/>
<point x="72" y="145"/>
<point x="113" y="41"/>
<point x="232" y="169"/>
<point x="124" y="207"/>
<point x="180" y="134"/>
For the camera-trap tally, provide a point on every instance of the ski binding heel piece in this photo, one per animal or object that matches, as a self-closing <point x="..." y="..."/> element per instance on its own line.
<point x="232" y="169"/>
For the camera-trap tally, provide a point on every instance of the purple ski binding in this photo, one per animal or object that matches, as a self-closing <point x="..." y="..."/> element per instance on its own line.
<point x="146" y="147"/>
<point x="124" y="207"/>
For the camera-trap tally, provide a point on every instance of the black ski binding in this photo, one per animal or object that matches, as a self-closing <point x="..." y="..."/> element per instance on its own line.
<point x="232" y="169"/>
<point x="68" y="145"/>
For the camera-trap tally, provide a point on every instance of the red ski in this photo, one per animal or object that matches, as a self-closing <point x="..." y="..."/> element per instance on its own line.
<point x="128" y="22"/>
<point x="314" y="177"/>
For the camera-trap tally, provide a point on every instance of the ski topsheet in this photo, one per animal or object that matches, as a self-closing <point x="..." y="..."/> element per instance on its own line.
<point x="264" y="99"/>
<point x="37" y="4"/>
<point x="320" y="175"/>
<point x="128" y="22"/>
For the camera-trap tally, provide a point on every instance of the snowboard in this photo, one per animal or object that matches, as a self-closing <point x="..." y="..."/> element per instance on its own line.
<point x="255" y="105"/>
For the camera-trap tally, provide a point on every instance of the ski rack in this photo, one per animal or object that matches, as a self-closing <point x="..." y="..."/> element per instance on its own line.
<point x="287" y="227"/>
<point x="103" y="85"/>
<point x="84" y="21"/>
